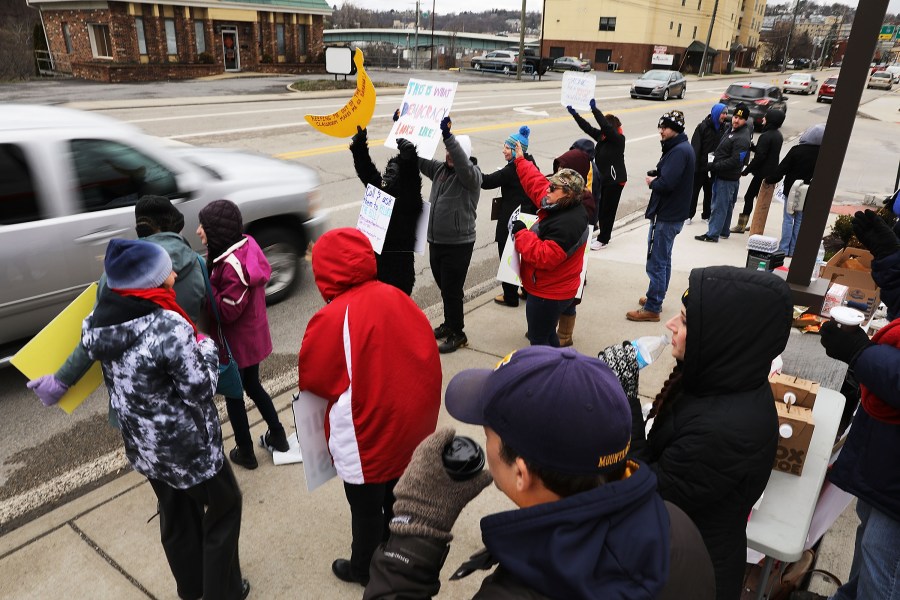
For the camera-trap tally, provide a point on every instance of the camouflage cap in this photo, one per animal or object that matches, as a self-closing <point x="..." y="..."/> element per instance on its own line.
<point x="570" y="180"/>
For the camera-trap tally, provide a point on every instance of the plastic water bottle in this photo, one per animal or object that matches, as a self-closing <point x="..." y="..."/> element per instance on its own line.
<point x="649" y="348"/>
<point x="820" y="262"/>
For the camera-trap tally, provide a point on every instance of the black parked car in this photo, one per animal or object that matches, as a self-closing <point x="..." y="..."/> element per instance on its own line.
<point x="759" y="98"/>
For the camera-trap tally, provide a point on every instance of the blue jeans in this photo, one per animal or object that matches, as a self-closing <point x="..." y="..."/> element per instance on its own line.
<point x="724" y="196"/>
<point x="875" y="571"/>
<point x="790" y="227"/>
<point x="659" y="263"/>
<point x="542" y="316"/>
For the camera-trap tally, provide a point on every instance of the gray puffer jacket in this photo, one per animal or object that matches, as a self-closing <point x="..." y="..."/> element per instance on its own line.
<point x="454" y="196"/>
<point x="161" y="383"/>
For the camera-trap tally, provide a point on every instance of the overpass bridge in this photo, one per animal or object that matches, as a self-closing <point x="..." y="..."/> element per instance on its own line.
<point x="406" y="38"/>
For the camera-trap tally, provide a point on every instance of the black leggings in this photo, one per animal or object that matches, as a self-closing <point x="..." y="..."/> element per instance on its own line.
<point x="237" y="414"/>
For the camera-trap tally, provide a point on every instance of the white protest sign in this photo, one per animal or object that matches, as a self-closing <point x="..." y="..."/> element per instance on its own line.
<point x="309" y="419"/>
<point x="578" y="89"/>
<point x="584" y="264"/>
<point x="375" y="216"/>
<point x="422" y="228"/>
<point x="510" y="263"/>
<point x="423" y="107"/>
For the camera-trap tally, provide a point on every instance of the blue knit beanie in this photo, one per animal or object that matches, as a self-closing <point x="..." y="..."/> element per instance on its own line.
<point x="521" y="137"/>
<point x="135" y="264"/>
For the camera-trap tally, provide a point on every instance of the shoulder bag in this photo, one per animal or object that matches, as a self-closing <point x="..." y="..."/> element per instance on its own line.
<point x="229" y="384"/>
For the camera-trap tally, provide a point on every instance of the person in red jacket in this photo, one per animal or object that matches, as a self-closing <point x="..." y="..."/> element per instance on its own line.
<point x="370" y="353"/>
<point x="553" y="250"/>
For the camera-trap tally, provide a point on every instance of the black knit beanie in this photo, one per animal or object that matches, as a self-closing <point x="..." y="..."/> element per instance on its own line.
<point x="223" y="224"/>
<point x="156" y="213"/>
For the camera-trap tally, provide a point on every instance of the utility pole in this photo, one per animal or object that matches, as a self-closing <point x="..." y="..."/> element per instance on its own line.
<point x="416" y="51"/>
<point x="784" y="59"/>
<point x="522" y="45"/>
<point x="712" y="21"/>
<point x="431" y="54"/>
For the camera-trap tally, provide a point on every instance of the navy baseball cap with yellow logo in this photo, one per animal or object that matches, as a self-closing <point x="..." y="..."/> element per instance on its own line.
<point x="556" y="408"/>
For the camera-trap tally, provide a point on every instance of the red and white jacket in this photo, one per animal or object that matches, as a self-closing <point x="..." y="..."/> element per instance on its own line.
<point x="370" y="353"/>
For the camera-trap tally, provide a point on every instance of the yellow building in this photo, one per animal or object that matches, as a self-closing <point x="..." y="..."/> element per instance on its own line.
<point x="636" y="35"/>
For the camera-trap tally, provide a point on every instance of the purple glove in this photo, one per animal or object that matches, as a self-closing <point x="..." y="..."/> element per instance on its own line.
<point x="48" y="388"/>
<point x="571" y="110"/>
<point x="593" y="104"/>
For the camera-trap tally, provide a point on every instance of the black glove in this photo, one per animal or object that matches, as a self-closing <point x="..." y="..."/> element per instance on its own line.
<point x="360" y="137"/>
<point x="875" y="234"/>
<point x="396" y="115"/>
<point x="571" y="110"/>
<point x="843" y="343"/>
<point x="517" y="227"/>
<point x="407" y="149"/>
<point x="445" y="127"/>
<point x="593" y="104"/>
<point x="428" y="502"/>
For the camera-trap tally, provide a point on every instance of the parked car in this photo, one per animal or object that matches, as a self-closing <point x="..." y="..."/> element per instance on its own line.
<point x="659" y="84"/>
<point x="770" y="66"/>
<point x="497" y="60"/>
<point x="894" y="70"/>
<point x="533" y="59"/>
<point x="71" y="180"/>
<point x="801" y="83"/>
<point x="759" y="98"/>
<point x="826" y="90"/>
<point x="571" y="63"/>
<point x="881" y="79"/>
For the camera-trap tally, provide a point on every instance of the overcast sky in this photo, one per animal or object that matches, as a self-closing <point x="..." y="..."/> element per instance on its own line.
<point x="448" y="6"/>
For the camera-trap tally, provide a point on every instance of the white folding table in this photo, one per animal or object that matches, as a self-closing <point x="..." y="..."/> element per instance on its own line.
<point x="779" y="527"/>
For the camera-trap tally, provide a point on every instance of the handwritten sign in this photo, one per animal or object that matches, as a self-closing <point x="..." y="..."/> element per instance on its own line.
<point x="375" y="216"/>
<point x="510" y="263"/>
<point x="309" y="419"/>
<point x="578" y="89"/>
<point x="424" y="105"/>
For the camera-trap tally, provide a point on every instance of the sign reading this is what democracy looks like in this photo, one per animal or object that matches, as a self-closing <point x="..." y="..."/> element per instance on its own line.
<point x="578" y="89"/>
<point x="375" y="216"/>
<point x="423" y="107"/>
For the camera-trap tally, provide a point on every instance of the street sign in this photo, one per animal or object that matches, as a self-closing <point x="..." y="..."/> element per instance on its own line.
<point x="660" y="49"/>
<point x="887" y="32"/>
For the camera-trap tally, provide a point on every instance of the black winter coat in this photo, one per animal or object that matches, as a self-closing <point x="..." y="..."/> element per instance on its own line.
<point x="670" y="196"/>
<point x="713" y="442"/>
<point x="704" y="140"/>
<point x="731" y="154"/>
<point x="512" y="196"/>
<point x="609" y="153"/>
<point x="768" y="147"/>
<point x="798" y="165"/>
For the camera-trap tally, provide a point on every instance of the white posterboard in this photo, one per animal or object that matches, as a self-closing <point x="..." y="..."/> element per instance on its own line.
<point x="508" y="271"/>
<point x="309" y="419"/>
<point x="424" y="105"/>
<point x="587" y="247"/>
<point x="422" y="228"/>
<point x="375" y="216"/>
<point x="578" y="89"/>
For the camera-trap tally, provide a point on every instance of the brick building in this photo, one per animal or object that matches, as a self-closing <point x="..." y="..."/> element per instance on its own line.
<point x="115" y="42"/>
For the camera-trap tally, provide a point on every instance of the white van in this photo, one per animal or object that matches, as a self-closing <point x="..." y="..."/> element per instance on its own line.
<point x="894" y="70"/>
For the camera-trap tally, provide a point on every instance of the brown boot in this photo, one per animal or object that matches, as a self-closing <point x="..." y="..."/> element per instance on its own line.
<point x="565" y="330"/>
<point x="642" y="315"/>
<point x="741" y="226"/>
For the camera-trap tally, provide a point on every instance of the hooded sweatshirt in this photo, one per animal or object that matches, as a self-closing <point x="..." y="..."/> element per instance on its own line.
<point x="768" y="148"/>
<point x="161" y="383"/>
<point x="238" y="279"/>
<point x="609" y="153"/>
<point x="706" y="137"/>
<point x="713" y="442"/>
<point x="370" y="353"/>
<point x="799" y="163"/>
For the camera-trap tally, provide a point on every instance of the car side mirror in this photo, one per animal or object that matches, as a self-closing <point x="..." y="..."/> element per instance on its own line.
<point x="188" y="183"/>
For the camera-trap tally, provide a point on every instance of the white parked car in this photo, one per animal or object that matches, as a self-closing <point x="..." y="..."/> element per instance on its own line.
<point x="69" y="181"/>
<point x="801" y="83"/>
<point x="881" y="80"/>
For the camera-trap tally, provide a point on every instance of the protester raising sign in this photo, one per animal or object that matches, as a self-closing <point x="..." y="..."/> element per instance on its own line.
<point x="423" y="107"/>
<point x="578" y="89"/>
<point x="375" y="216"/>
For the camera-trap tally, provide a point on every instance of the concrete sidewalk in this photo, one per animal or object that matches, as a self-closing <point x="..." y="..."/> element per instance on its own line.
<point x="105" y="544"/>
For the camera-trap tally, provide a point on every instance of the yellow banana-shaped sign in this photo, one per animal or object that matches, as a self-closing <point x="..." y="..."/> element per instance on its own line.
<point x="357" y="112"/>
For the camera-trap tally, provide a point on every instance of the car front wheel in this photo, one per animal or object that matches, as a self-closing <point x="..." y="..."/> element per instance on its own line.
<point x="665" y="95"/>
<point x="683" y="92"/>
<point x="283" y="249"/>
<point x="477" y="66"/>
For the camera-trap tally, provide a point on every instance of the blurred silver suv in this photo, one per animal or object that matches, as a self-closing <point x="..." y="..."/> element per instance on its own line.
<point x="69" y="181"/>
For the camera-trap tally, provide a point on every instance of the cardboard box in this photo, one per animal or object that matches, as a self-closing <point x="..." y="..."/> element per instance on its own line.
<point x="862" y="293"/>
<point x="805" y="390"/>
<point x="835" y="296"/>
<point x="795" y="430"/>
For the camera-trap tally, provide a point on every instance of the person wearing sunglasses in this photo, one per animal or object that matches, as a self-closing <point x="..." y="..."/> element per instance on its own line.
<point x="552" y="251"/>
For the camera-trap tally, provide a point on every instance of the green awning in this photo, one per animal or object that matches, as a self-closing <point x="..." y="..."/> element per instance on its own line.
<point x="698" y="46"/>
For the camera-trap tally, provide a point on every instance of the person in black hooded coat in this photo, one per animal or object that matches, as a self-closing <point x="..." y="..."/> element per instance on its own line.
<point x="401" y="179"/>
<point x="765" y="162"/>
<point x="715" y="433"/>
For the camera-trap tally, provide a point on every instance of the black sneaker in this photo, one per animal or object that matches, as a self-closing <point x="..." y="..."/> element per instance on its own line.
<point x="706" y="238"/>
<point x="245" y="589"/>
<point x="341" y="569"/>
<point x="453" y="341"/>
<point x="244" y="457"/>
<point x="442" y="331"/>
<point x="275" y="441"/>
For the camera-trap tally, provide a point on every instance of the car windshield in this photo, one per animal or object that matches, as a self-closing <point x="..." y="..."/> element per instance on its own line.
<point x="831" y="81"/>
<point x="656" y="75"/>
<point x="881" y="75"/>
<point x="742" y="91"/>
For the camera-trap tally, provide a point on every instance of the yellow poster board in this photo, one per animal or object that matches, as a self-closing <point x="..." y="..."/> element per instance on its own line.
<point x="49" y="349"/>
